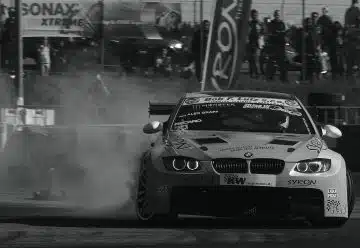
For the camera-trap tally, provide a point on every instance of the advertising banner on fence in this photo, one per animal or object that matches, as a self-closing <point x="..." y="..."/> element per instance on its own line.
<point x="226" y="44"/>
<point x="69" y="18"/>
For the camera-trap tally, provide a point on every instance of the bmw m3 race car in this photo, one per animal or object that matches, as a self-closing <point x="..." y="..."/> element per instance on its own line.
<point x="242" y="154"/>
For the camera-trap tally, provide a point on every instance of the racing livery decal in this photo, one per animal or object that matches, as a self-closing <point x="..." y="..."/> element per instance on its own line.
<point x="315" y="144"/>
<point x="246" y="148"/>
<point x="332" y="193"/>
<point x="285" y="109"/>
<point x="181" y="144"/>
<point x="196" y="113"/>
<point x="190" y="101"/>
<point x="235" y="99"/>
<point x="302" y="182"/>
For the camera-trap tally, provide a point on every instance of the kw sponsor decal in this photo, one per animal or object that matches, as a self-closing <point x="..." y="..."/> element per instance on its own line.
<point x="246" y="100"/>
<point x="315" y="144"/>
<point x="254" y="180"/>
<point x="332" y="193"/>
<point x="302" y="182"/>
<point x="234" y="179"/>
<point x="247" y="148"/>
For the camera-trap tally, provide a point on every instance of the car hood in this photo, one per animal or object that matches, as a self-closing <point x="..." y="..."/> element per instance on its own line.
<point x="204" y="145"/>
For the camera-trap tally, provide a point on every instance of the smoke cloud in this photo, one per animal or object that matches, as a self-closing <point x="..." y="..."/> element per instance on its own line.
<point x="95" y="164"/>
<point x="109" y="154"/>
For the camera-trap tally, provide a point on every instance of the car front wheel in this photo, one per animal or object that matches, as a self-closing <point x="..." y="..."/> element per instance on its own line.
<point x="144" y="203"/>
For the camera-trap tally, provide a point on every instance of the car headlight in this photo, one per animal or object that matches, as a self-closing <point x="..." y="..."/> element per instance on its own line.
<point x="181" y="164"/>
<point x="176" y="46"/>
<point x="318" y="165"/>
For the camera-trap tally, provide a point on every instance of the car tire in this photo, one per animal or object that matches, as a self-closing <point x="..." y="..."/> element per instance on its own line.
<point x="339" y="222"/>
<point x="143" y="197"/>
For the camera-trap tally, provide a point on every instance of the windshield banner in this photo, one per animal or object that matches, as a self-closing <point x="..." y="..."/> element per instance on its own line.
<point x="250" y="100"/>
<point x="226" y="44"/>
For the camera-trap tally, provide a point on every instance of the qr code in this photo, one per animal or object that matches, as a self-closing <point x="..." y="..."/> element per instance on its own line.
<point x="335" y="207"/>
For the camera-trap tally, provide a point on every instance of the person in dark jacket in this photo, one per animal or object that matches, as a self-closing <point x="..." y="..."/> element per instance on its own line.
<point x="315" y="30"/>
<point x="328" y="40"/>
<point x="339" y="40"/>
<point x="312" y="48"/>
<point x="276" y="43"/>
<point x="352" y="15"/>
<point x="352" y="37"/>
<point x="326" y="27"/>
<point x="255" y="32"/>
<point x="198" y="46"/>
<point x="8" y="41"/>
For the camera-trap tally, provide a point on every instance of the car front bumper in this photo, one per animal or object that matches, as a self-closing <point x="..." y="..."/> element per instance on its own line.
<point x="202" y="194"/>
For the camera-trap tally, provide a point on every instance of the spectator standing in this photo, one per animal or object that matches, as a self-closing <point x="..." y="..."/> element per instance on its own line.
<point x="312" y="46"/>
<point x="319" y="60"/>
<point x="326" y="26"/>
<point x="8" y="41"/>
<point x="339" y="37"/>
<point x="253" y="47"/>
<point x="328" y="39"/>
<point x="45" y="59"/>
<point x="198" y="46"/>
<point x="352" y="36"/>
<point x="277" y="42"/>
<point x="352" y="15"/>
<point x="264" y="51"/>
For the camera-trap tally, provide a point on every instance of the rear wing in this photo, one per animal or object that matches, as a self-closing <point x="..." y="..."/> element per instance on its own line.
<point x="161" y="108"/>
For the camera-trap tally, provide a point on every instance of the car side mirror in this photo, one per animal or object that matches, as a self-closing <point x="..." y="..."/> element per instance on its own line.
<point x="331" y="131"/>
<point x="153" y="127"/>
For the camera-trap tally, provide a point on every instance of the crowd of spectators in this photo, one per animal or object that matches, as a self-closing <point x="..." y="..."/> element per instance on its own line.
<point x="273" y="45"/>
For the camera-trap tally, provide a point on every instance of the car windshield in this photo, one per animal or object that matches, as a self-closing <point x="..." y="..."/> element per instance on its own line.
<point x="243" y="114"/>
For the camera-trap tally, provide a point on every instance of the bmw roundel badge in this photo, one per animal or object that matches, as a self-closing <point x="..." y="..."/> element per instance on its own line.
<point x="248" y="155"/>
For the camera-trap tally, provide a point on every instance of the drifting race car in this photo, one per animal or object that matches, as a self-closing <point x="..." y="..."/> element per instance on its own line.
<point x="242" y="154"/>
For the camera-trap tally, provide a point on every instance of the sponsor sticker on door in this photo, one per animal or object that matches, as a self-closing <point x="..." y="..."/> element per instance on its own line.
<point x="234" y="179"/>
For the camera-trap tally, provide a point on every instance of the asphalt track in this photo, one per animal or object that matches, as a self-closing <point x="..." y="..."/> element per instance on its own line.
<point x="28" y="223"/>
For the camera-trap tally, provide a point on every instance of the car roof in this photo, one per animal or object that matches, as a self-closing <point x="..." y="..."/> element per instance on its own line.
<point x="245" y="93"/>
